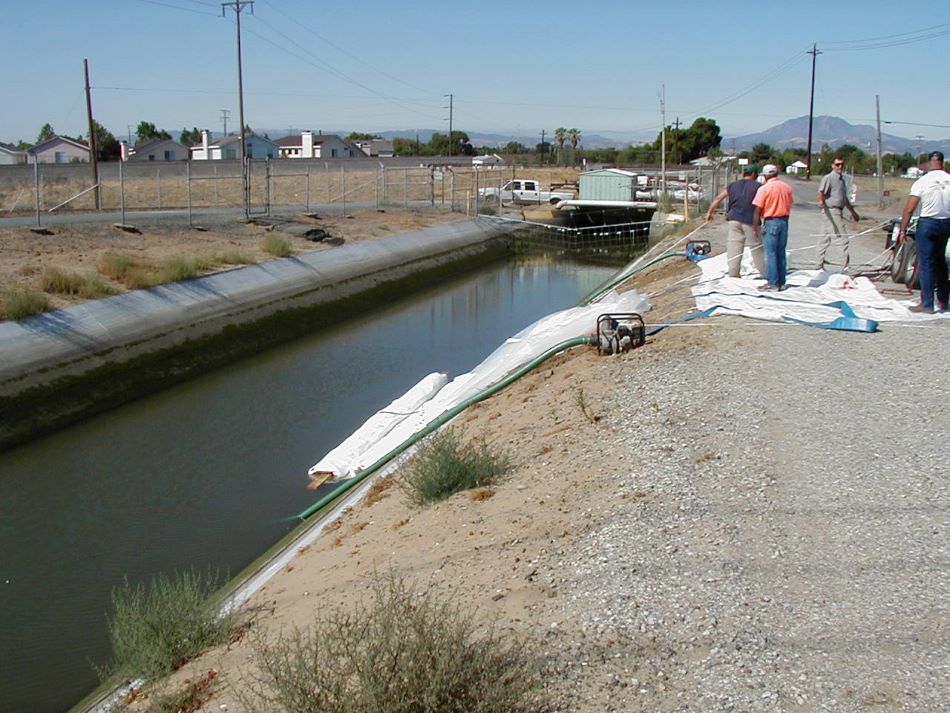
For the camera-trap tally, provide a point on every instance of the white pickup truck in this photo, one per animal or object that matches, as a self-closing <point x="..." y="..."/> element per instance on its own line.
<point x="525" y="192"/>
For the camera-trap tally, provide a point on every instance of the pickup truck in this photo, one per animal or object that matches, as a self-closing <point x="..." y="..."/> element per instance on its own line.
<point x="525" y="192"/>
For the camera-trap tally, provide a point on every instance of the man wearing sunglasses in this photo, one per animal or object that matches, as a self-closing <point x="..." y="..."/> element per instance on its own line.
<point x="833" y="200"/>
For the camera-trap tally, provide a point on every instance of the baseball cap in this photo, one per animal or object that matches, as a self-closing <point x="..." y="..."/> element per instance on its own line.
<point x="749" y="168"/>
<point x="770" y="169"/>
<point x="936" y="156"/>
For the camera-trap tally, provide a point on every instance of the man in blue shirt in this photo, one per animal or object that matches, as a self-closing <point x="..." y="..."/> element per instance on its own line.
<point x="740" y="194"/>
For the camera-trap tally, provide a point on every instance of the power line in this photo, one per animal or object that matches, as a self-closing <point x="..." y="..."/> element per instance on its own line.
<point x="892" y="40"/>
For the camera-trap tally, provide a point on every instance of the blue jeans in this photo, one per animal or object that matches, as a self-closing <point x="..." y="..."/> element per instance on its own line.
<point x="774" y="240"/>
<point x="932" y="234"/>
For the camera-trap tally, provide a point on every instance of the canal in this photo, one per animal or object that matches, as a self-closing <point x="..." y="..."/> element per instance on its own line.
<point x="206" y="473"/>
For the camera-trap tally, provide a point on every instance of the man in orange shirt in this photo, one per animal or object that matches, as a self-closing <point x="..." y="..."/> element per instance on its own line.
<point x="772" y="205"/>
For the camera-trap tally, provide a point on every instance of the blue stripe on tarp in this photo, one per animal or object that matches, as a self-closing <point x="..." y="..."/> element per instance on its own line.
<point x="849" y="322"/>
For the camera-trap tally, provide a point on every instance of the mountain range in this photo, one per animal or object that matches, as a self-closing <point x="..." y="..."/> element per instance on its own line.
<point x="831" y="130"/>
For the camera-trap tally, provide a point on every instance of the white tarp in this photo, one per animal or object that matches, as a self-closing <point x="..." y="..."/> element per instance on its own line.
<point x="369" y="443"/>
<point x="809" y="294"/>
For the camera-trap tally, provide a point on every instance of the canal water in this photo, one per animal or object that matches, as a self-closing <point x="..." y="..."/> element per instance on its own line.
<point x="206" y="473"/>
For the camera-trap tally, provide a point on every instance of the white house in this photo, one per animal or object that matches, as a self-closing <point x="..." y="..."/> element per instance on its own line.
<point x="376" y="148"/>
<point x="794" y="169"/>
<point x="310" y="145"/>
<point x="11" y="155"/>
<point x="487" y="160"/>
<point x="154" y="150"/>
<point x="58" y="150"/>
<point x="229" y="147"/>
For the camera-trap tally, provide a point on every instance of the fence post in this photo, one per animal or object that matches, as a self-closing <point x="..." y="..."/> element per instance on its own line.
<point x="122" y="192"/>
<point x="308" y="187"/>
<point x="326" y="170"/>
<point x="376" y="187"/>
<point x="36" y="183"/>
<point x="215" y="183"/>
<point x="343" y="186"/>
<point x="405" y="189"/>
<point x="188" y="182"/>
<point x="158" y="181"/>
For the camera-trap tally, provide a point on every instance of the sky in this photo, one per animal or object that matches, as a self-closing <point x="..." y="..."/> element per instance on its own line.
<point x="512" y="67"/>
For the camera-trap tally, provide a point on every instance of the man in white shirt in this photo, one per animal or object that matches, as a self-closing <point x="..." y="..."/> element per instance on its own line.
<point x="931" y="192"/>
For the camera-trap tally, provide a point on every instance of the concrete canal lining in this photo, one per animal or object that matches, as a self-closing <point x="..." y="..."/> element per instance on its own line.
<point x="64" y="365"/>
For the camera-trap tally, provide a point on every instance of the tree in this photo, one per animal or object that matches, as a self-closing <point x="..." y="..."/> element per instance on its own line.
<point x="190" y="137"/>
<point x="761" y="153"/>
<point x="107" y="146"/>
<point x="361" y="136"/>
<point x="515" y="147"/>
<point x="560" y="136"/>
<point x="574" y="136"/>
<point x="702" y="135"/>
<point x="456" y="145"/>
<point x="46" y="133"/>
<point x="146" y="131"/>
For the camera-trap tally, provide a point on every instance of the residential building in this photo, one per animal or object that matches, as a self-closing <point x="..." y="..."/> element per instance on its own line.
<point x="229" y="147"/>
<point x="376" y="148"/>
<point x="58" y="149"/>
<point x="310" y="145"/>
<point x="487" y="160"/>
<point x="155" y="150"/>
<point x="11" y="155"/>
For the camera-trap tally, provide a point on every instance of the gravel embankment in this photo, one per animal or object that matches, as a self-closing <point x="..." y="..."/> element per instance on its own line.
<point x="778" y="535"/>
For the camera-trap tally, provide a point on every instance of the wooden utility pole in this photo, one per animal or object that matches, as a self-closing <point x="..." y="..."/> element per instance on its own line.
<point x="238" y="6"/>
<point x="93" y="148"/>
<point x="814" y="52"/>
<point x="880" y="157"/>
<point x="451" y="97"/>
<point x="663" y="142"/>
<point x="542" y="147"/>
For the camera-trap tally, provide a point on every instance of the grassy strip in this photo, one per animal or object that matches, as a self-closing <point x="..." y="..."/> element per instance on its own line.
<point x="20" y="303"/>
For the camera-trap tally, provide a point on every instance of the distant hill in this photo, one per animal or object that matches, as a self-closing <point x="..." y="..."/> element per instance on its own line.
<point x="833" y="131"/>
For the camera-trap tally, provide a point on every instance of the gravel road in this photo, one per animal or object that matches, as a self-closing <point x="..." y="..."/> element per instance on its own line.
<point x="777" y="539"/>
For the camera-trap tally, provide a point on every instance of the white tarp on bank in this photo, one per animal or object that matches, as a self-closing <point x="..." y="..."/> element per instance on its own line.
<point x="808" y="298"/>
<point x="396" y="424"/>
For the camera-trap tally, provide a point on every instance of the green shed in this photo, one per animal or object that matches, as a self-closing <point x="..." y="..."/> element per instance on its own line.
<point x="608" y="184"/>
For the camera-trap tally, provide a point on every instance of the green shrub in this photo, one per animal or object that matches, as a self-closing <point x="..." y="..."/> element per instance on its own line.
<point x="401" y="653"/>
<point x="444" y="465"/>
<point x="21" y="303"/>
<point x="156" y="629"/>
<point x="276" y="245"/>
<point x="487" y="210"/>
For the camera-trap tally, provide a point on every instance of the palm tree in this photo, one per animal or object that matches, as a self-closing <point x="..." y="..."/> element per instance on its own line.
<point x="560" y="136"/>
<point x="574" y="136"/>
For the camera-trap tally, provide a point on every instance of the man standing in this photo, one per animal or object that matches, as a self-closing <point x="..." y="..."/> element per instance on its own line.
<point x="833" y="199"/>
<point x="773" y="203"/>
<point x="740" y="194"/>
<point x="932" y="193"/>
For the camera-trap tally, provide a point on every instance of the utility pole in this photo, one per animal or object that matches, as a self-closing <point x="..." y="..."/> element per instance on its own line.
<point x="224" y="118"/>
<point x="663" y="142"/>
<point x="542" y="147"/>
<point x="814" y="52"/>
<point x="93" y="149"/>
<point x="676" y="132"/>
<point x="238" y="6"/>
<point x="451" y="97"/>
<point x="880" y="158"/>
<point x="919" y="149"/>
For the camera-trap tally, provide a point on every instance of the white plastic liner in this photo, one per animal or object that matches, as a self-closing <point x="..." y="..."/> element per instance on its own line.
<point x="342" y="458"/>
<point x="369" y="443"/>
<point x="808" y="294"/>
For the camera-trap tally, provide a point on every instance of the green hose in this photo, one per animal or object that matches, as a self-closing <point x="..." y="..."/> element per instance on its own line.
<point x="440" y="421"/>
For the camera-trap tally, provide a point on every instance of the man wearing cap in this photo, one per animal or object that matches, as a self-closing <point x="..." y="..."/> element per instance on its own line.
<point x="931" y="193"/>
<point x="773" y="203"/>
<point x="740" y="194"/>
<point x="833" y="199"/>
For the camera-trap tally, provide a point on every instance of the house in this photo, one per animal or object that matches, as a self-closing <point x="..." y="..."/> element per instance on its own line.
<point x="310" y="145"/>
<point x="487" y="160"/>
<point x="376" y="148"/>
<point x="154" y="150"/>
<point x="795" y="168"/>
<point x="58" y="149"/>
<point x="11" y="155"/>
<point x="229" y="147"/>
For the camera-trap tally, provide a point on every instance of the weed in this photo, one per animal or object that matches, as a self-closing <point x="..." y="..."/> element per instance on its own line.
<point x="155" y="629"/>
<point x="581" y="400"/>
<point x="183" y="267"/>
<point x="487" y="210"/>
<point x="276" y="245"/>
<point x="21" y="303"/>
<point x="233" y="257"/>
<point x="186" y="700"/>
<point x="71" y="283"/>
<point x="401" y="652"/>
<point x="445" y="465"/>
<point x="115" y="265"/>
